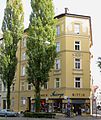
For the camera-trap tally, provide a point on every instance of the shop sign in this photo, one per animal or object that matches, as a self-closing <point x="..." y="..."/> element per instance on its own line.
<point x="78" y="94"/>
<point x="56" y="94"/>
<point x="43" y="95"/>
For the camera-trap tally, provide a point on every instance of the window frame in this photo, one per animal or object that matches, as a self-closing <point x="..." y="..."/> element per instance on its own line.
<point x="57" y="46"/>
<point x="77" y="28"/>
<point x="57" y="64"/>
<point x="77" y="83"/>
<point x="77" y="64"/>
<point x="58" y="30"/>
<point x="77" y="45"/>
<point x="24" y="42"/>
<point x="57" y="83"/>
<point x="23" y="71"/>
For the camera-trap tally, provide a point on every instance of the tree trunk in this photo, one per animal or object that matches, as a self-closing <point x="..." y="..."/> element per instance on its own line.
<point x="37" y="99"/>
<point x="8" y="96"/>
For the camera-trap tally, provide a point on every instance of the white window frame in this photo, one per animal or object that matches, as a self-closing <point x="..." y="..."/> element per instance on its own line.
<point x="24" y="42"/>
<point x="77" y="46"/>
<point x="77" y="63"/>
<point x="12" y="102"/>
<point x="45" y="86"/>
<point x="77" y="81"/>
<point x="57" y="46"/>
<point x="59" y="83"/>
<point x="24" y="56"/>
<point x="58" y="30"/>
<point x="4" y="87"/>
<point x="23" y="101"/>
<point x="77" y="28"/>
<point x="29" y="86"/>
<point x="0" y="87"/>
<point x="57" y="64"/>
<point x="22" y="86"/>
<point x="13" y="87"/>
<point x="23" y="71"/>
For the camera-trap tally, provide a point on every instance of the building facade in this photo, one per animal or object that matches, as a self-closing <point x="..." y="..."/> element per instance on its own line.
<point x="69" y="81"/>
<point x="3" y="90"/>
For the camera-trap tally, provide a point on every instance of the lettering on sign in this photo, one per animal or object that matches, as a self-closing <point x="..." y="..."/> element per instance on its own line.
<point x="56" y="94"/>
<point x="78" y="94"/>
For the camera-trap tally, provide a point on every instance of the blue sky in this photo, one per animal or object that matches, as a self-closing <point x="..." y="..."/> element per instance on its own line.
<point x="82" y="7"/>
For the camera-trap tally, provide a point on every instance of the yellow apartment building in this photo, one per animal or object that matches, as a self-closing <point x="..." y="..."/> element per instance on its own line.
<point x="69" y="81"/>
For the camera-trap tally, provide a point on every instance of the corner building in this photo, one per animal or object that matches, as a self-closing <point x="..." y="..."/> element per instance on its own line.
<point x="69" y="81"/>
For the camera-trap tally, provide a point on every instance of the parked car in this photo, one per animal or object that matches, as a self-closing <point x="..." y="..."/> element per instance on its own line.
<point x="8" y="112"/>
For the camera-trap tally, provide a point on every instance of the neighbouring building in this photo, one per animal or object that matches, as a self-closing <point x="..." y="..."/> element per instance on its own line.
<point x="69" y="82"/>
<point x="3" y="90"/>
<point x="98" y="97"/>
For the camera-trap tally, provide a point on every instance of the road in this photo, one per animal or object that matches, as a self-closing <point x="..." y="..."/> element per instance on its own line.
<point x="57" y="118"/>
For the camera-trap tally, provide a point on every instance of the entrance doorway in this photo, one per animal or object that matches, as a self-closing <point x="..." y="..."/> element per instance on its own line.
<point x="57" y="105"/>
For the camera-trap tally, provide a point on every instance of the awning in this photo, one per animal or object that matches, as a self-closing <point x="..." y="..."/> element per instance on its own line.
<point x="78" y="101"/>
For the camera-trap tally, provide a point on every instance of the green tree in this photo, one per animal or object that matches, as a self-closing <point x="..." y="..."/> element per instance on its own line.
<point x="41" y="47"/>
<point x="13" y="29"/>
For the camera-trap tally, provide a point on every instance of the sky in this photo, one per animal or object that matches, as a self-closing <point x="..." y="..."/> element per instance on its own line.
<point x="81" y="7"/>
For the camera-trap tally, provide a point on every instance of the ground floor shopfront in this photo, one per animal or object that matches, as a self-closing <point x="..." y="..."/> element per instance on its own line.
<point x="60" y="105"/>
<point x="53" y="100"/>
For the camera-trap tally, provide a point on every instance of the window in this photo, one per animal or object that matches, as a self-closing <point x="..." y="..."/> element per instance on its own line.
<point x="24" y="42"/>
<point x="57" y="83"/>
<point x="77" y="82"/>
<point x="23" y="71"/>
<point x="0" y="87"/>
<point x="23" y="55"/>
<point x="77" y="63"/>
<point x="58" y="30"/>
<point x="57" y="64"/>
<point x="23" y="101"/>
<point x="45" y="86"/>
<point x="57" y="46"/>
<point x="77" y="45"/>
<point x="22" y="86"/>
<point x="29" y="86"/>
<point x="12" y="102"/>
<point x="4" y="87"/>
<point x="77" y="28"/>
<point x="13" y="85"/>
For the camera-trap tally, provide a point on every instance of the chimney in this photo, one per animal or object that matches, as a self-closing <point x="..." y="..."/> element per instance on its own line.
<point x="66" y="10"/>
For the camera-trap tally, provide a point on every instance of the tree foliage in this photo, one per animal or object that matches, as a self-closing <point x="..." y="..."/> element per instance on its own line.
<point x="41" y="48"/>
<point x="13" y="29"/>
